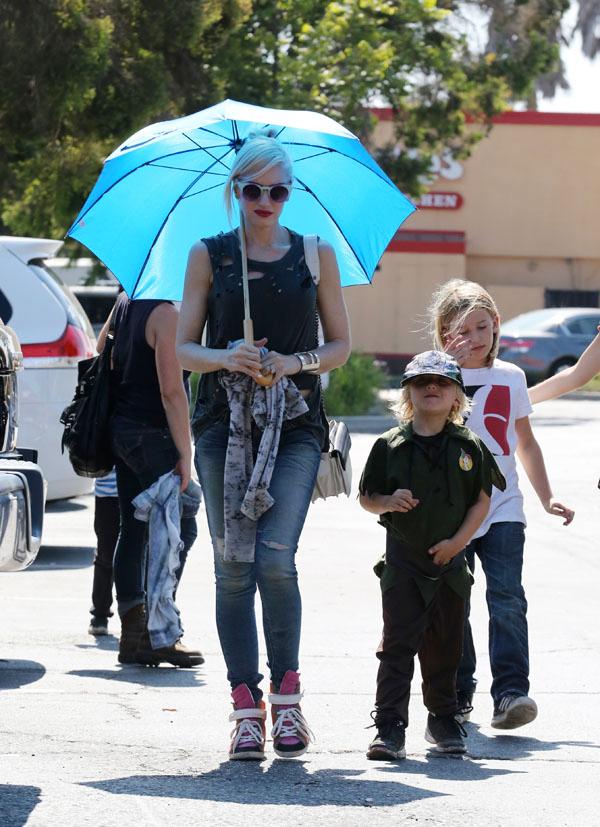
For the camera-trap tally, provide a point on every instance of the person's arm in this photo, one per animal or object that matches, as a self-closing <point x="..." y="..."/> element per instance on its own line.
<point x="334" y="319"/>
<point x="445" y="550"/>
<point x="161" y="329"/>
<point x="103" y="334"/>
<point x="192" y="317"/>
<point x="401" y="500"/>
<point x="530" y="454"/>
<point x="586" y="367"/>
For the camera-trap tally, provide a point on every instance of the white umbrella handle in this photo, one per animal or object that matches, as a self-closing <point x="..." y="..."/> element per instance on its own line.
<point x="266" y="379"/>
<point x="248" y="325"/>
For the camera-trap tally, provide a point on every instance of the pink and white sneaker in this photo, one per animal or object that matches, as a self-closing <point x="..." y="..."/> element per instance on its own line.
<point x="249" y="735"/>
<point x="291" y="734"/>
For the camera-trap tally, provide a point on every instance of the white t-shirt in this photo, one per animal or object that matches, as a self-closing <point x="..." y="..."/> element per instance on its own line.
<point x="499" y="396"/>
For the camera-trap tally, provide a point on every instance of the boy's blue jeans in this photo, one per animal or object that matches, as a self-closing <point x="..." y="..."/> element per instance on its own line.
<point x="500" y="552"/>
<point x="273" y="571"/>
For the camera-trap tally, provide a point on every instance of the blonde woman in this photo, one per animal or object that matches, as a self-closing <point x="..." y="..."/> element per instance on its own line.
<point x="284" y="300"/>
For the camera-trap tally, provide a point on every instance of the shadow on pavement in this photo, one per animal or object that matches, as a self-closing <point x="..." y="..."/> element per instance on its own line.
<point x="445" y="768"/>
<point x="513" y="747"/>
<point x="17" y="803"/>
<point x="145" y="675"/>
<point x="64" y="506"/>
<point x="280" y="782"/>
<point x="63" y="557"/>
<point x="108" y="643"/>
<point x="16" y="673"/>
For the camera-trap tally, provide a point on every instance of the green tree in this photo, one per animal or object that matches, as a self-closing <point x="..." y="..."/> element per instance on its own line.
<point x="79" y="76"/>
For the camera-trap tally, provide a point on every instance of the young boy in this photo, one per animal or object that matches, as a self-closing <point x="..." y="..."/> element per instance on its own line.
<point x="466" y="324"/>
<point x="430" y="480"/>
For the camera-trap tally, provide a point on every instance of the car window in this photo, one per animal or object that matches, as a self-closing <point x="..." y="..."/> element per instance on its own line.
<point x="583" y="325"/>
<point x="56" y="285"/>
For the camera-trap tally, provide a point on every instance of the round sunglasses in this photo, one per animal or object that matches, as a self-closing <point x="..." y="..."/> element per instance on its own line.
<point x="278" y="193"/>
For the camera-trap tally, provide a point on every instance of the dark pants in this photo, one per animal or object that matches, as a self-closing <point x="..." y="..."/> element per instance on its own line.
<point x="434" y="633"/>
<point x="142" y="455"/>
<point x="106" y="526"/>
<point x="500" y="552"/>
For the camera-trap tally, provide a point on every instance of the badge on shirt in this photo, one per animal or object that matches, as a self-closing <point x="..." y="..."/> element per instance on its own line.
<point x="465" y="461"/>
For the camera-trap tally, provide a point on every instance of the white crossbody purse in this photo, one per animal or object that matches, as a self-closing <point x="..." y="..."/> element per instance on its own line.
<point x="335" y="470"/>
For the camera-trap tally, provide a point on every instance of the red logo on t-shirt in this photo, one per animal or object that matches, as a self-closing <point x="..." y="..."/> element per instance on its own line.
<point x="496" y="412"/>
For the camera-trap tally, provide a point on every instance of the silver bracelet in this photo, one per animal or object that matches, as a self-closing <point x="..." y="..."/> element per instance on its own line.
<point x="310" y="361"/>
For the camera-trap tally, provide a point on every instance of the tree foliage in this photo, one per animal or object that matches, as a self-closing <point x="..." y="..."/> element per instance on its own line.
<point x="81" y="75"/>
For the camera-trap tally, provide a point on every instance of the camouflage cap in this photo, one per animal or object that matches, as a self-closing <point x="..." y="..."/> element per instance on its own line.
<point x="433" y="363"/>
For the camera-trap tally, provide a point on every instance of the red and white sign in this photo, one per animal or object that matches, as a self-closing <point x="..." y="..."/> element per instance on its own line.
<point x="440" y="201"/>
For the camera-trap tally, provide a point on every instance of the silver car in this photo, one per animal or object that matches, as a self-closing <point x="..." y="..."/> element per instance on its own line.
<point x="544" y="342"/>
<point x="22" y="486"/>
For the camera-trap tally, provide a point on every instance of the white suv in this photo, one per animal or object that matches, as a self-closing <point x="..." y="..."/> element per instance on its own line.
<point x="55" y="334"/>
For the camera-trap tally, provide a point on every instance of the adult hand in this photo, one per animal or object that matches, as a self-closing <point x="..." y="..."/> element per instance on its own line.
<point x="184" y="469"/>
<point x="559" y="510"/>
<point x="279" y="365"/>
<point x="459" y="347"/>
<point x="244" y="358"/>
<point x="444" y="551"/>
<point x="401" y="500"/>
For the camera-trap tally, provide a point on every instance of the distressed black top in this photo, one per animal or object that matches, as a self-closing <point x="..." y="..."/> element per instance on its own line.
<point x="283" y="307"/>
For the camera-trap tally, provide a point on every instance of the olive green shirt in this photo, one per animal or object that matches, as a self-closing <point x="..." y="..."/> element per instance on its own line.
<point x="446" y="473"/>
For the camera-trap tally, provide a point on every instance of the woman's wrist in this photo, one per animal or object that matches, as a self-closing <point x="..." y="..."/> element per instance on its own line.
<point x="310" y="361"/>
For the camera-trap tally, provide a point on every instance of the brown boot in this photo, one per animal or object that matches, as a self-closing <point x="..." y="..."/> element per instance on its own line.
<point x="177" y="654"/>
<point x="133" y="626"/>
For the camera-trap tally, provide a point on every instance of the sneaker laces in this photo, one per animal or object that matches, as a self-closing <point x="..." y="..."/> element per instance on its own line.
<point x="246" y="733"/>
<point x="451" y="725"/>
<point x="385" y="727"/>
<point x="291" y="723"/>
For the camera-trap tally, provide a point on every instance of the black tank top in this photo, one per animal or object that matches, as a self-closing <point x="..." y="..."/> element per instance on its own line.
<point x="283" y="306"/>
<point x="135" y="380"/>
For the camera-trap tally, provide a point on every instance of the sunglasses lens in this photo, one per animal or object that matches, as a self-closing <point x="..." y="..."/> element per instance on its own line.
<point x="251" y="192"/>
<point x="279" y="193"/>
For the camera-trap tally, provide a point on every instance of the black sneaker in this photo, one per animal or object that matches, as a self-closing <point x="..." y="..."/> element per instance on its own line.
<point x="465" y="706"/>
<point x="389" y="743"/>
<point x="446" y="734"/>
<point x="98" y="626"/>
<point x="513" y="711"/>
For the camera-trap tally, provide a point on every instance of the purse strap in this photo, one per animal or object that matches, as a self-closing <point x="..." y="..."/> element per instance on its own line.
<point x="311" y="256"/>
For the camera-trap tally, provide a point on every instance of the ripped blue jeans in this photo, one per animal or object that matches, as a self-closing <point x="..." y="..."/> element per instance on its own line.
<point x="273" y="571"/>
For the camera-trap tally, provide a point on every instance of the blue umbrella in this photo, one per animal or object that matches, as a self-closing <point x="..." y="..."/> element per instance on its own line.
<point x="162" y="190"/>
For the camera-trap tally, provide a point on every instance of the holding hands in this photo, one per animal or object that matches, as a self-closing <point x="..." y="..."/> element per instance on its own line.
<point x="244" y="358"/>
<point x="266" y="370"/>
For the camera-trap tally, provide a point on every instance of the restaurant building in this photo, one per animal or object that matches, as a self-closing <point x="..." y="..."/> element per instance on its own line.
<point x="521" y="216"/>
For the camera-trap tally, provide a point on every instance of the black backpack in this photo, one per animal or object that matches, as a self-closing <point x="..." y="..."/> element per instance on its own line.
<point x="86" y="419"/>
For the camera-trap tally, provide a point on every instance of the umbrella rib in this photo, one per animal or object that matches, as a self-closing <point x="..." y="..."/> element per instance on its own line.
<point x="168" y="215"/>
<point x="184" y="169"/>
<point x="200" y="192"/>
<point x="350" y="158"/>
<point x="321" y="204"/>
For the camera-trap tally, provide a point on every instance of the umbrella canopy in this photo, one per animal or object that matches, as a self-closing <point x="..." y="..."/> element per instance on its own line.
<point x="162" y="190"/>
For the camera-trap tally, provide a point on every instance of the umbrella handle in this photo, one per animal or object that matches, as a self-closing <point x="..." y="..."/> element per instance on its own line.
<point x="266" y="378"/>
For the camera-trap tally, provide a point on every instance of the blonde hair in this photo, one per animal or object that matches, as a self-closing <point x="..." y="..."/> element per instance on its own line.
<point x="404" y="411"/>
<point x="260" y="152"/>
<point x="452" y="303"/>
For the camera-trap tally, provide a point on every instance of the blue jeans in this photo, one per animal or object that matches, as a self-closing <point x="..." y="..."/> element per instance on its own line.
<point x="500" y="552"/>
<point x="273" y="570"/>
<point x="142" y="455"/>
